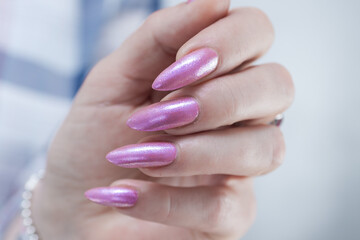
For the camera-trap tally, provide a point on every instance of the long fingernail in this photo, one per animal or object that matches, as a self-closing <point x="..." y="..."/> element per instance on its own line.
<point x="165" y="115"/>
<point x="187" y="69"/>
<point x="152" y="154"/>
<point x="113" y="196"/>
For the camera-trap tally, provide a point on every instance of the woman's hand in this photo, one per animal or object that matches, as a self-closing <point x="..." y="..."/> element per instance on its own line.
<point x="191" y="178"/>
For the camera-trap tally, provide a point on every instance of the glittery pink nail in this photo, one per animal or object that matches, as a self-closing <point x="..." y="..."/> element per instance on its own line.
<point x="165" y="115"/>
<point x="113" y="196"/>
<point x="152" y="154"/>
<point x="187" y="70"/>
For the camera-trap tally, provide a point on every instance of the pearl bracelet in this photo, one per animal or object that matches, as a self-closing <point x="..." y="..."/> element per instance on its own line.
<point x="26" y="214"/>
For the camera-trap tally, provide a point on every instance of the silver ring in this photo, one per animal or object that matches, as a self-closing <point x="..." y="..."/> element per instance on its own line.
<point x="278" y="120"/>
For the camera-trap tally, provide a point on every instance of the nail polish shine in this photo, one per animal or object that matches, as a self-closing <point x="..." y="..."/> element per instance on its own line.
<point x="165" y="115"/>
<point x="113" y="196"/>
<point x="187" y="70"/>
<point x="152" y="154"/>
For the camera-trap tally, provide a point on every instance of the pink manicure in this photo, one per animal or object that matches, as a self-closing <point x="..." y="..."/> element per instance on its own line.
<point x="165" y="115"/>
<point x="113" y="196"/>
<point x="187" y="69"/>
<point x="152" y="154"/>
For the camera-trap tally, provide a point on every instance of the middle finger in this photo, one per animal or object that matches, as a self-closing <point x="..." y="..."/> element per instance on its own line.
<point x="254" y="93"/>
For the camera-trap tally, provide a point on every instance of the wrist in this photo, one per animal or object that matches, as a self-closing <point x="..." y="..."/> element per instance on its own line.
<point x="51" y="219"/>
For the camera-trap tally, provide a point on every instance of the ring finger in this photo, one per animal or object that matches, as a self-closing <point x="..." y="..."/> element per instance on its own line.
<point x="241" y="151"/>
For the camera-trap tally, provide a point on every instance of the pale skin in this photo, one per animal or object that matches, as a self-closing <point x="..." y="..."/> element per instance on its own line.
<point x="206" y="193"/>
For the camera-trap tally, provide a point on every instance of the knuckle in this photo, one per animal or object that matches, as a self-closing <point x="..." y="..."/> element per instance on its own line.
<point x="217" y="7"/>
<point x="255" y="11"/>
<point x="283" y="75"/>
<point x="259" y="15"/>
<point x="278" y="148"/>
<point x="235" y="102"/>
<point x="249" y="212"/>
<point x="234" y="212"/>
<point x="219" y="215"/>
<point x="230" y="102"/>
<point x="263" y="17"/>
<point x="153" y="18"/>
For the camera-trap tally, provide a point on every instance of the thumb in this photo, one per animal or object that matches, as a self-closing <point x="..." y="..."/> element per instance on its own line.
<point x="126" y="75"/>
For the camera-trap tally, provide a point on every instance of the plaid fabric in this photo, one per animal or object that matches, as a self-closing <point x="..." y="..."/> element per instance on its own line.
<point x="46" y="49"/>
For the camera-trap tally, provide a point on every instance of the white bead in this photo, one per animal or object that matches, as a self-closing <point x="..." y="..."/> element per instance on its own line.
<point x="26" y="206"/>
<point x="33" y="237"/>
<point x="25" y="203"/>
<point x="31" y="183"/>
<point x="25" y="213"/>
<point x="27" y="221"/>
<point x="27" y="195"/>
<point x="30" y="230"/>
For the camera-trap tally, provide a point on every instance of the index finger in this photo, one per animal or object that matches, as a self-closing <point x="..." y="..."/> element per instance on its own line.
<point x="237" y="39"/>
<point x="126" y="75"/>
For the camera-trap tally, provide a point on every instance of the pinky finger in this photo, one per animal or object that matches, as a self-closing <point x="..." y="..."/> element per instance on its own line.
<point x="219" y="209"/>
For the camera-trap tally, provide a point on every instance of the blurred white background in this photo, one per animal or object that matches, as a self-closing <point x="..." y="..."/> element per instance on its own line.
<point x="316" y="193"/>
